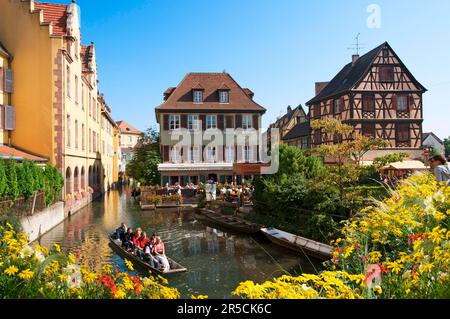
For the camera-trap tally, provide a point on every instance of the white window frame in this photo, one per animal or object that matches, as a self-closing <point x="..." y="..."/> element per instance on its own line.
<point x="229" y="154"/>
<point x="224" y="97"/>
<point x="195" y="125"/>
<point x="247" y="124"/>
<point x="211" y="124"/>
<point x="194" y="154"/>
<point x="173" y="119"/>
<point x="211" y="154"/>
<point x="247" y="150"/>
<point x="175" y="156"/>
<point x="198" y="96"/>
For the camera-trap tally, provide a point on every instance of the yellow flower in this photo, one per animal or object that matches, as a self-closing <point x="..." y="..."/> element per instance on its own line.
<point x="26" y="274"/>
<point x="199" y="297"/>
<point x="57" y="247"/>
<point x="10" y="226"/>
<point x="90" y="277"/>
<point x="425" y="267"/>
<point x="107" y="269"/>
<point x="72" y="258"/>
<point x="395" y="267"/>
<point x="377" y="289"/>
<point x="120" y="294"/>
<point x="129" y="264"/>
<point x="11" y="270"/>
<point x="374" y="256"/>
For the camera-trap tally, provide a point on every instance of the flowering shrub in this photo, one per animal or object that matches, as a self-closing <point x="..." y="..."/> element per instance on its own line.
<point x="27" y="272"/>
<point x="399" y="248"/>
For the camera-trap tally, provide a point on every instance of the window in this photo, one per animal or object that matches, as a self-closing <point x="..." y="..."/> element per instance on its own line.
<point x="174" y="122"/>
<point x="368" y="102"/>
<point x="385" y="53"/>
<point x="211" y="154"/>
<point x="337" y="106"/>
<point x="248" y="153"/>
<point x="82" y="137"/>
<point x="224" y="97"/>
<point x="130" y="139"/>
<point x="194" y="154"/>
<point x="246" y="122"/>
<point x="368" y="129"/>
<point x="317" y="137"/>
<point x="76" y="134"/>
<point x="176" y="154"/>
<point x="402" y="103"/>
<point x="211" y="121"/>
<point x="387" y="73"/>
<point x="76" y="89"/>
<point x="198" y="96"/>
<point x="68" y="81"/>
<point x="68" y="131"/>
<point x="193" y="123"/>
<point x="90" y="140"/>
<point x="90" y="105"/>
<point x="229" y="154"/>
<point x="82" y="96"/>
<point x="402" y="132"/>
<point x="229" y="121"/>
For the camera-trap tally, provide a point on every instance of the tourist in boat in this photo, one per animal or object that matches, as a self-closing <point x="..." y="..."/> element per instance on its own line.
<point x="140" y="243"/>
<point x="120" y="232"/>
<point x="148" y="253"/>
<point x="441" y="169"/>
<point x="128" y="239"/>
<point x="160" y="254"/>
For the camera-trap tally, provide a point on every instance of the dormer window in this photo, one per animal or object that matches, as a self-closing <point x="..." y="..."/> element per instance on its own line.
<point x="198" y="96"/>
<point x="224" y="97"/>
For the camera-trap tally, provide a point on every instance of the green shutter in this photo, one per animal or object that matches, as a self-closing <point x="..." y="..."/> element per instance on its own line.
<point x="165" y="180"/>
<point x="239" y="179"/>
<point x="222" y="179"/>
<point x="203" y="179"/>
<point x="185" y="180"/>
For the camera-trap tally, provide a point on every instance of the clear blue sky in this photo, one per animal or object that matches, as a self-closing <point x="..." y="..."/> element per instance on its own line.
<point x="276" y="48"/>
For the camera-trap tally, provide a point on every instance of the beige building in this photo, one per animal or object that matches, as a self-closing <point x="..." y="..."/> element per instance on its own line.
<point x="56" y="94"/>
<point x="128" y="139"/>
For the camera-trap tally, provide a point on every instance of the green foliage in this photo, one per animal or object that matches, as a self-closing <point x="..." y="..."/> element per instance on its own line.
<point x="3" y="180"/>
<point x="53" y="184"/>
<point x="447" y="146"/>
<point x="380" y="162"/>
<point x="25" y="177"/>
<point x="144" y="165"/>
<point x="12" y="190"/>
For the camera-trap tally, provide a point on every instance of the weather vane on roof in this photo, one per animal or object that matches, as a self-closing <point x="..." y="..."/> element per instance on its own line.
<point x="357" y="46"/>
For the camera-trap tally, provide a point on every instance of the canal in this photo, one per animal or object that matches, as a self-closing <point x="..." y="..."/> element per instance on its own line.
<point x="216" y="260"/>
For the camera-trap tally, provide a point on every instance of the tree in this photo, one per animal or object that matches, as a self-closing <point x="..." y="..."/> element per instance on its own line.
<point x="447" y="146"/>
<point x="144" y="165"/>
<point x="381" y="162"/>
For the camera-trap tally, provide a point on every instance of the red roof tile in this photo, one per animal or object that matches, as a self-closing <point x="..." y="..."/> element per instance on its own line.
<point x="56" y="14"/>
<point x="182" y="97"/>
<point x="7" y="152"/>
<point x="127" y="128"/>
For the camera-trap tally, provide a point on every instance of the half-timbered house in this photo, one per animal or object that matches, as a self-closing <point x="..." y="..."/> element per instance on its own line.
<point x="377" y="95"/>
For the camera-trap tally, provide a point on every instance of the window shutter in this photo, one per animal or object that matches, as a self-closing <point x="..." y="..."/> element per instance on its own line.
<point x="255" y="154"/>
<point x="341" y="105"/>
<point x="203" y="120"/>
<point x="256" y="122"/>
<point x="239" y="121"/>
<point x="220" y="154"/>
<point x="9" y="118"/>
<point x="166" y="151"/>
<point x="394" y="101"/>
<point x="220" y="122"/>
<point x="8" y="81"/>
<point x="204" y="157"/>
<point x="239" y="153"/>
<point x="410" y="102"/>
<point x="165" y="122"/>
<point x="184" y="121"/>
<point x="1" y="79"/>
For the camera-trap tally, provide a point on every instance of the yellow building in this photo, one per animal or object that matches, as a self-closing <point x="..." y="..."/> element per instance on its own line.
<point x="56" y="96"/>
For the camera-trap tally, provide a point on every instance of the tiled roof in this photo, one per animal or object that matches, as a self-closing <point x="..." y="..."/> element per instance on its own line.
<point x="56" y="14"/>
<point x="182" y="97"/>
<point x="352" y="73"/>
<point x="7" y="152"/>
<point x="426" y="135"/>
<point x="127" y="128"/>
<point x="299" y="130"/>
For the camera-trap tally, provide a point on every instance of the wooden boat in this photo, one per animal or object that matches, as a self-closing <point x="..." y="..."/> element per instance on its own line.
<point x="229" y="222"/>
<point x="297" y="243"/>
<point x="175" y="267"/>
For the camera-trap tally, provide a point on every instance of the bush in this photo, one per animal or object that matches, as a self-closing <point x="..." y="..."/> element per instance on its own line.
<point x="3" y="180"/>
<point x="13" y="190"/>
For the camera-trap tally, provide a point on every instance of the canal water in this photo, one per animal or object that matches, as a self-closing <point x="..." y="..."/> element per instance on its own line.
<point x="216" y="260"/>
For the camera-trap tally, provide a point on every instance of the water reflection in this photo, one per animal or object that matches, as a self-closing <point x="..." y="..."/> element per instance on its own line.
<point x="217" y="261"/>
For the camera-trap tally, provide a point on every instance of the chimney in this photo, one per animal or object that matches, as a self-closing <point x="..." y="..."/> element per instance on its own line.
<point x="320" y="86"/>
<point x="289" y="109"/>
<point x="355" y="58"/>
